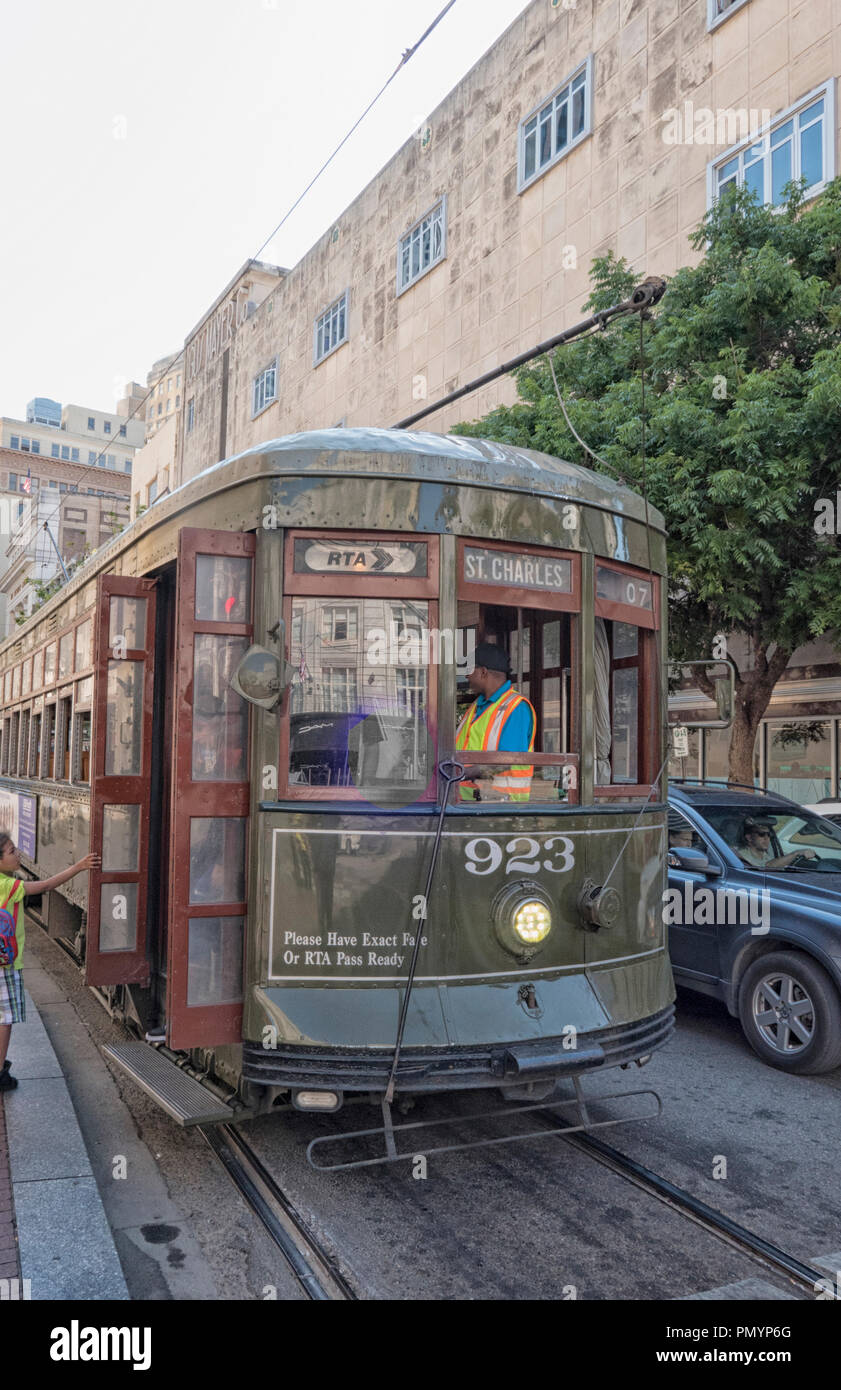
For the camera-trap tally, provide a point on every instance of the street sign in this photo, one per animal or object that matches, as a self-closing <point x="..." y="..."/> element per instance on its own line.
<point x="680" y="742"/>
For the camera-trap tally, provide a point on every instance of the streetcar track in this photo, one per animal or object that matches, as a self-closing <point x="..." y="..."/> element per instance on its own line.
<point x="315" y="1269"/>
<point x="716" y="1223"/>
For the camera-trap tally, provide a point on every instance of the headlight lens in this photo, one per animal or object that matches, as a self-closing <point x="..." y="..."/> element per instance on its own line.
<point x="532" y="922"/>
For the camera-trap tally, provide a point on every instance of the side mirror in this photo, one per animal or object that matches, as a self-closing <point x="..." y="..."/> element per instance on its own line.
<point x="262" y="676"/>
<point x="694" y="860"/>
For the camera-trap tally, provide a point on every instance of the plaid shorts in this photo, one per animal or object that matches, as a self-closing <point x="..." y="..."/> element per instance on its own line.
<point x="12" y="1006"/>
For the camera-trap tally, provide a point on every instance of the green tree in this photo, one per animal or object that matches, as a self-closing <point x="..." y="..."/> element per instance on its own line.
<point x="743" y="431"/>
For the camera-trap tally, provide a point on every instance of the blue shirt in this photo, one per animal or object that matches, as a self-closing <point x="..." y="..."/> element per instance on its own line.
<point x="517" y="732"/>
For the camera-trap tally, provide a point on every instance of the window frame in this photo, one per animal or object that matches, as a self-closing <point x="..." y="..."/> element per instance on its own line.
<point x="825" y="90"/>
<point x="525" y="181"/>
<point x="256" y="384"/>
<point x="342" y="588"/>
<point x="647" y="623"/>
<point x="714" y="18"/>
<point x="439" y="205"/>
<point x="334" y="303"/>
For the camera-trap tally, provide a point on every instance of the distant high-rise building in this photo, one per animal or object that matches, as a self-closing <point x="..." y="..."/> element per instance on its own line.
<point x="43" y="411"/>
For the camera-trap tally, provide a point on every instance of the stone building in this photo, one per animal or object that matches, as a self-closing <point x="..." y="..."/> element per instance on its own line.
<point x="588" y="126"/>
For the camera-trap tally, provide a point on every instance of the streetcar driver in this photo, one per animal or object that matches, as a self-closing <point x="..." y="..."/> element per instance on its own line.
<point x="499" y="720"/>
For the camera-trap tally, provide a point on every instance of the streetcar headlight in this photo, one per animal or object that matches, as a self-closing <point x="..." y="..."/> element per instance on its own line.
<point x="521" y="914"/>
<point x="532" y="921"/>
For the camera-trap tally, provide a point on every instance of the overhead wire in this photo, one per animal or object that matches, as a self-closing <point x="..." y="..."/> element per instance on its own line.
<point x="406" y="56"/>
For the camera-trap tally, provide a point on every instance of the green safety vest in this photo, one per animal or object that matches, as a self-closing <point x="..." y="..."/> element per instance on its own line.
<point x="481" y="733"/>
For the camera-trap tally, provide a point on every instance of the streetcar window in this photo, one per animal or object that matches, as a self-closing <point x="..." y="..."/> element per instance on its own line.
<point x="223" y="588"/>
<point x="220" y="715"/>
<point x="63" y="740"/>
<point x="83" y="645"/>
<point x="619" y="704"/>
<point x="217" y="859"/>
<point x="23" y="751"/>
<point x="65" y="655"/>
<point x="123" y="718"/>
<point x="359" y="700"/>
<point x="214" y="960"/>
<point x="120" y="837"/>
<point x="49" y="740"/>
<point x="127" y="623"/>
<point x="82" y="746"/>
<point x="118" y="916"/>
<point x="35" y="747"/>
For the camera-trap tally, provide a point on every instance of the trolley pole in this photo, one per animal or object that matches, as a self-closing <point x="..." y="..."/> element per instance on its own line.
<point x="57" y="551"/>
<point x="643" y="297"/>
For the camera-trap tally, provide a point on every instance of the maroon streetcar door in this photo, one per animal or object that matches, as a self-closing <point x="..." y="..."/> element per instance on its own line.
<point x="209" y="790"/>
<point x="124" y="678"/>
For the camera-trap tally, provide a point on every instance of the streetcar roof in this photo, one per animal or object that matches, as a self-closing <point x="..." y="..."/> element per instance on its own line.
<point x="445" y="458"/>
<point x="458" y="460"/>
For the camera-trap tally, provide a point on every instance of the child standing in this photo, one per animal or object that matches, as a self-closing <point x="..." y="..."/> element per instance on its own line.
<point x="12" y="892"/>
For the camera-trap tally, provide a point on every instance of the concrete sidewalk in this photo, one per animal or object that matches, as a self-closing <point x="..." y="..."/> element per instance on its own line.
<point x="65" y="1246"/>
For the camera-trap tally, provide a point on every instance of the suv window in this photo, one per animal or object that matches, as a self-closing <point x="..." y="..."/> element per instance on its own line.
<point x="791" y="832"/>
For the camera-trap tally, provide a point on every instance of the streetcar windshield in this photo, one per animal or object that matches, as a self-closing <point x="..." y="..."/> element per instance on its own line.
<point x="359" y="700"/>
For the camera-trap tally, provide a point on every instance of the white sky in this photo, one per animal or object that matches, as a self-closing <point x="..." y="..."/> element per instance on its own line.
<point x="112" y="248"/>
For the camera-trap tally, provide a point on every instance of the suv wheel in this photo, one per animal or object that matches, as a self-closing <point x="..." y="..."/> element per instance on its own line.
<point x="790" y="1013"/>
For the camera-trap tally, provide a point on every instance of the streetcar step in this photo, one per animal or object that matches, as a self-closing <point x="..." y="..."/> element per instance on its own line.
<point x="182" y="1097"/>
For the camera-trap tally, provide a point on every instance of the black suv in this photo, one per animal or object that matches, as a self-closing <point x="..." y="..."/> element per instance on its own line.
<point x="754" y="916"/>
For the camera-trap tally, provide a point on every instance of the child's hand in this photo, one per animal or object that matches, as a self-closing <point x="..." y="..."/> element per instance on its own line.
<point x="90" y="861"/>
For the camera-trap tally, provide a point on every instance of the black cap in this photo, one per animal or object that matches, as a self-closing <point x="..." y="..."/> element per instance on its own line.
<point x="493" y="657"/>
<point x="755" y="823"/>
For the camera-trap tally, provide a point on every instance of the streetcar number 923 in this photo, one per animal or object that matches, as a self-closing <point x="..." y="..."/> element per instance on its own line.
<point x="523" y="855"/>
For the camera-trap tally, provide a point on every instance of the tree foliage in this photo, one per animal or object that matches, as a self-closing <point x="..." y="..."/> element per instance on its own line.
<point x="743" y="429"/>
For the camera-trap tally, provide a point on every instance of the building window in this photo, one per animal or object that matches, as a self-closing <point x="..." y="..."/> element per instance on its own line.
<point x="799" y="143"/>
<point x="331" y="329"/>
<point x="55" y="451"/>
<point x="422" y="247"/>
<point x="13" y="482"/>
<point x="151" y="493"/>
<point x="264" y="389"/>
<point x="150" y="412"/>
<point x="74" y="455"/>
<point x="14" y="442"/>
<point x="191" y="414"/>
<point x="160" y="408"/>
<point x="92" y="455"/>
<point x="122" y="431"/>
<point x="177" y="402"/>
<point x="91" y="422"/>
<point x="717" y="10"/>
<point x="339" y="624"/>
<point x="557" y="126"/>
<point x="65" y="452"/>
<point x="178" y="380"/>
<point x="36" y="446"/>
<point x="340" y="689"/>
<point x="126" y="465"/>
<point x="107" y="426"/>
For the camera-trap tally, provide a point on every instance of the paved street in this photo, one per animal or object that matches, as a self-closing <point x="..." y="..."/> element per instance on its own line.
<point x="534" y="1219"/>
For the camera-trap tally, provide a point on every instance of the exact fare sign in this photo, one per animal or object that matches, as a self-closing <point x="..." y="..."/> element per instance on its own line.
<point x="512" y="570"/>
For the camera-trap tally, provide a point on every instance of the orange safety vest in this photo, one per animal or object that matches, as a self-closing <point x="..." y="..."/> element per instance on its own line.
<point x="482" y="733"/>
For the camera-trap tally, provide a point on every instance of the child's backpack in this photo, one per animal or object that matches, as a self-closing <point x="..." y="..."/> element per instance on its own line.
<point x="8" y="940"/>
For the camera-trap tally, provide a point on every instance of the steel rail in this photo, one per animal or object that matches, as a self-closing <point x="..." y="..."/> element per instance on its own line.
<point x="315" y="1269"/>
<point x="719" y="1225"/>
